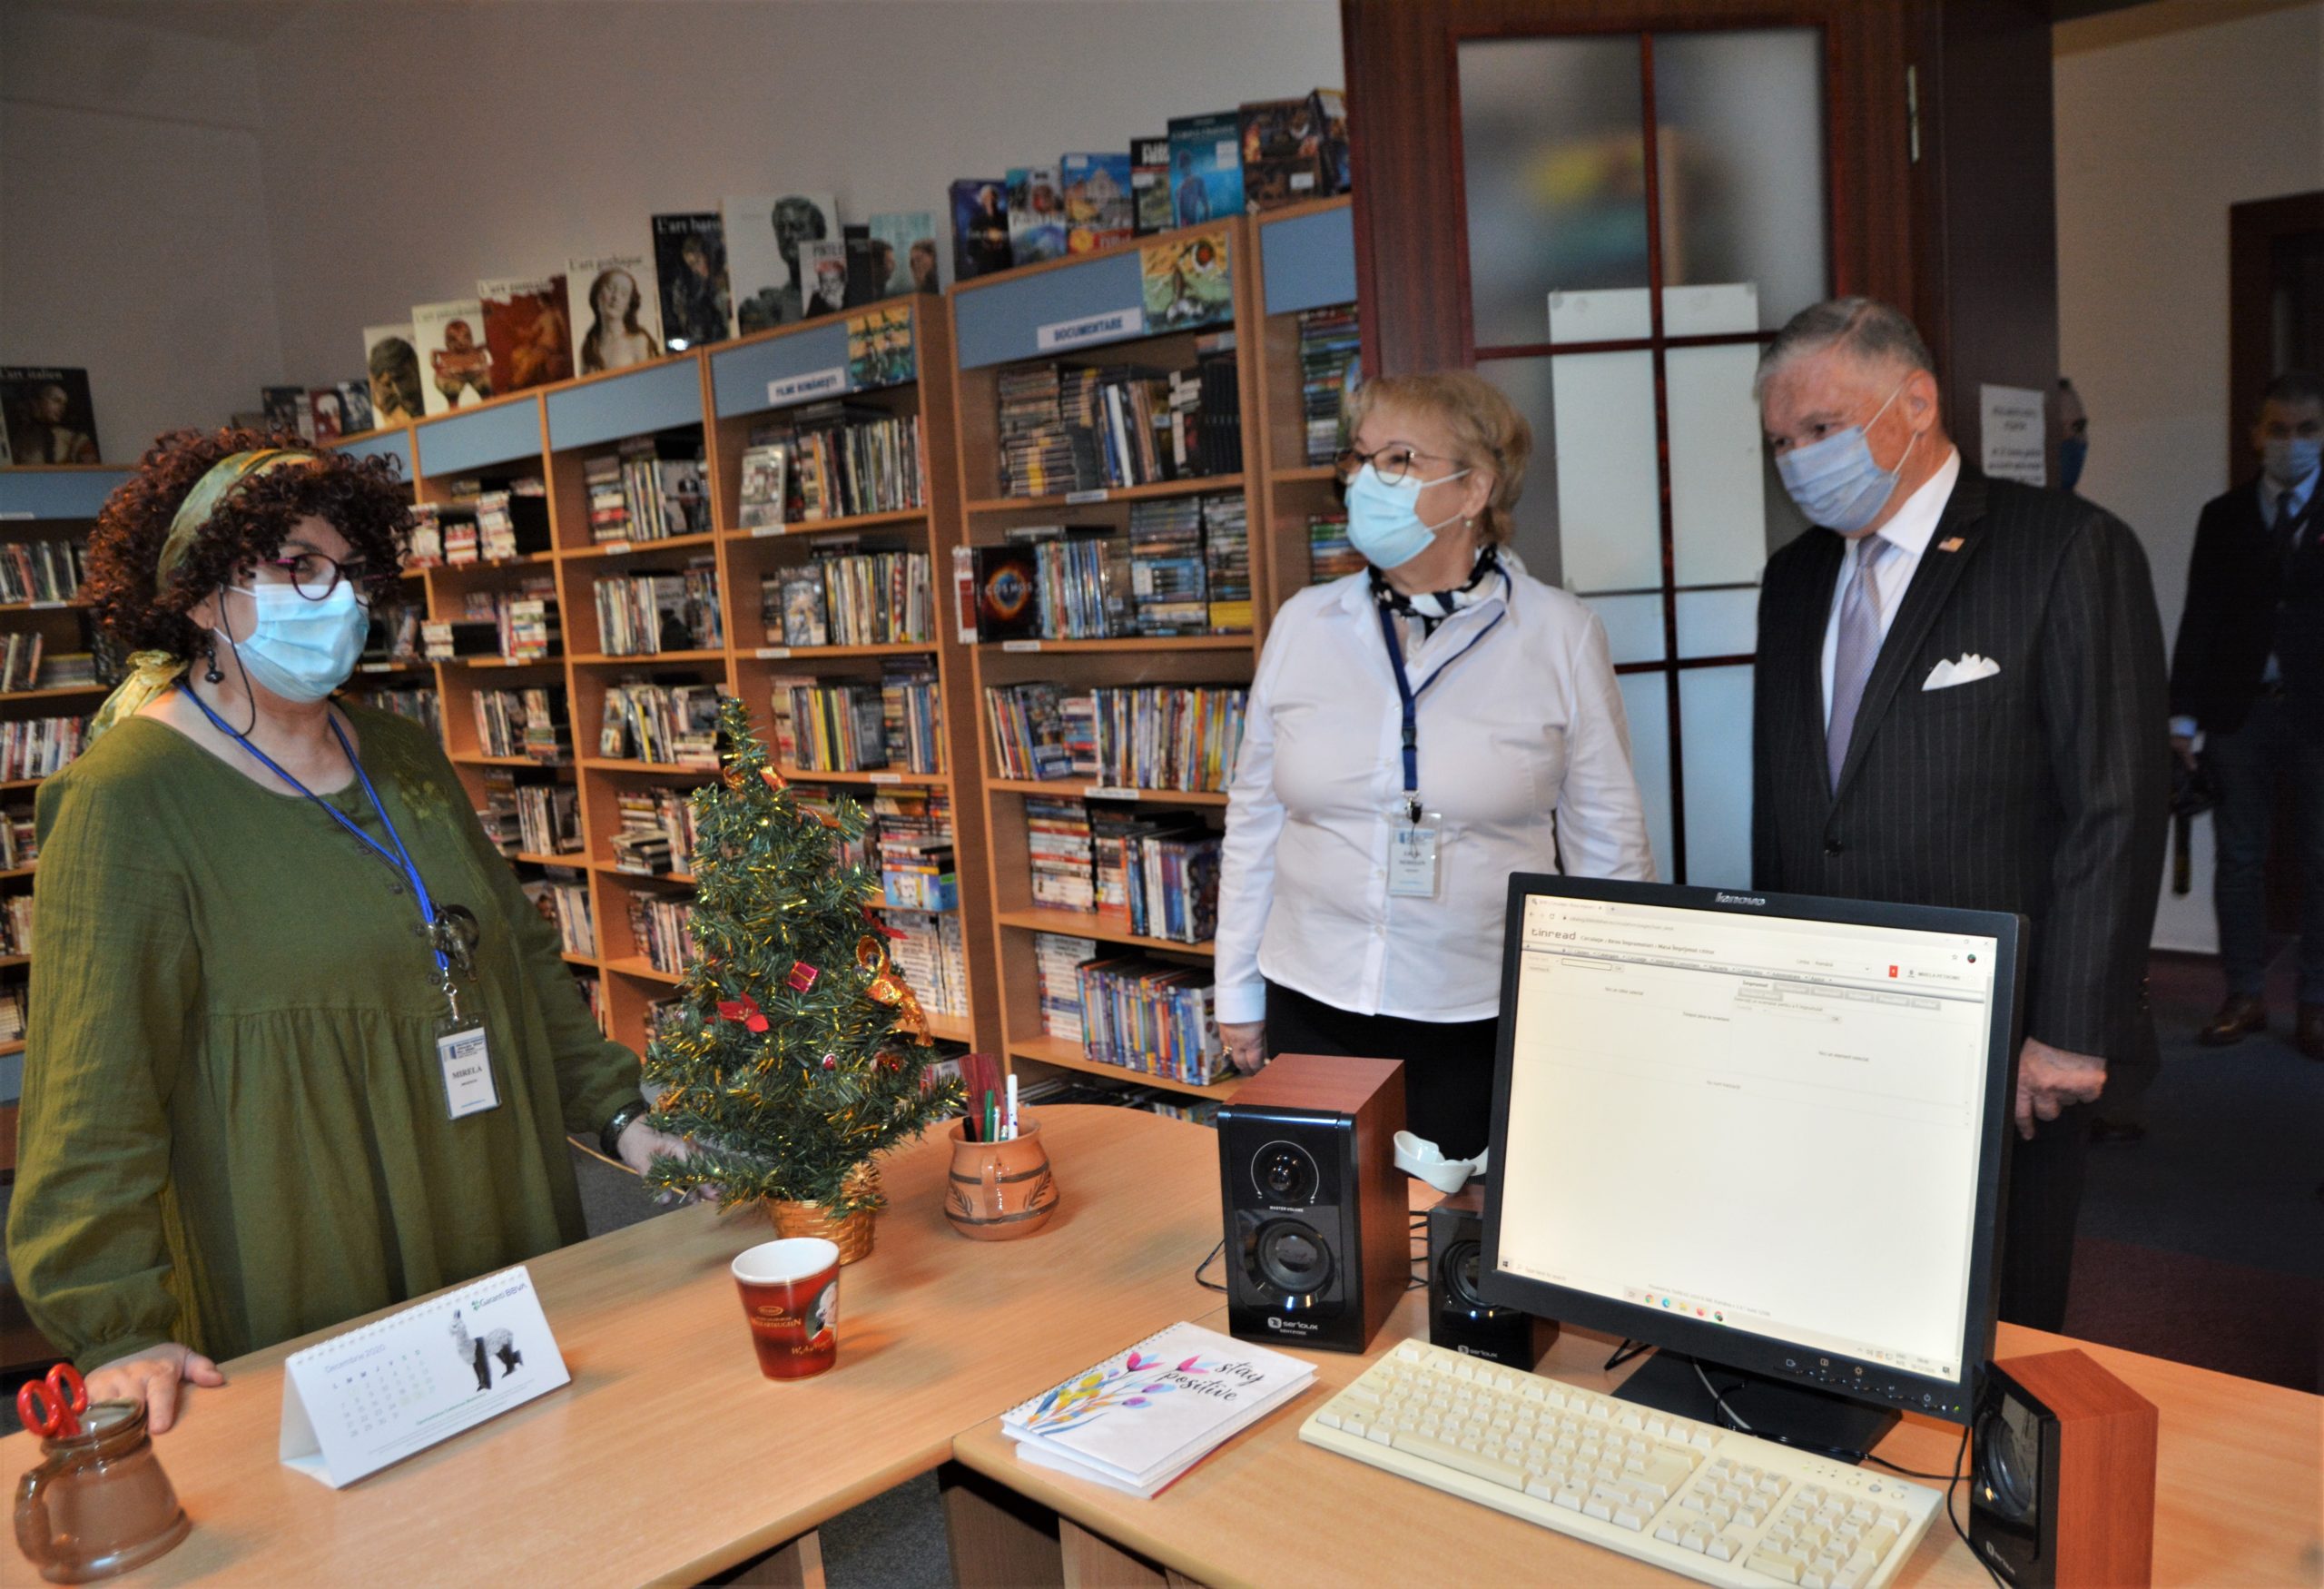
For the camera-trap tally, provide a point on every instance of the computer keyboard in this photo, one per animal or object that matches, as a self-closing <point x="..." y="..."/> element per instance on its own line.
<point x="1720" y="1506"/>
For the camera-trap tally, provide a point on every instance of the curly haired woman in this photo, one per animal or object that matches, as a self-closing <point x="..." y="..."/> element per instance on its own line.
<point x="300" y="1046"/>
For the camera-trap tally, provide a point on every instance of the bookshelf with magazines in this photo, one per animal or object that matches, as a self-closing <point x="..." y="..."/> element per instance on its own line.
<point x="1105" y="416"/>
<point x="48" y="687"/>
<point x="838" y="493"/>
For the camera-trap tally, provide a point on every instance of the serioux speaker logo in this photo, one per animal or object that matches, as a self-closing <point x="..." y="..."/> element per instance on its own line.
<point x="1277" y="1322"/>
<point x="1740" y="899"/>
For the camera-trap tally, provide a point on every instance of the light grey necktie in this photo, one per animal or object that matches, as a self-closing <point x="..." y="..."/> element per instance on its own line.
<point x="1859" y="645"/>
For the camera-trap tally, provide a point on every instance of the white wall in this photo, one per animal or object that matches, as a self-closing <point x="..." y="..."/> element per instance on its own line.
<point x="412" y="149"/>
<point x="132" y="220"/>
<point x="2157" y="133"/>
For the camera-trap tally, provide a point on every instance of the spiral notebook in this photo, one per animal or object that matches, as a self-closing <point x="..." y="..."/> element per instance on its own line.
<point x="1144" y="1415"/>
<point x="362" y="1400"/>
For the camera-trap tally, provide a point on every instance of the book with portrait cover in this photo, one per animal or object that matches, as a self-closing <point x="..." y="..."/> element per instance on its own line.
<point x="1036" y="215"/>
<point x="455" y="366"/>
<point x="1098" y="212"/>
<point x="822" y="271"/>
<point x="979" y="226"/>
<point x="1205" y="168"/>
<point x="690" y="262"/>
<point x="326" y="415"/>
<point x="391" y="366"/>
<point x="527" y="330"/>
<point x="615" y="310"/>
<point x="354" y="407"/>
<point x="286" y="410"/>
<point x="1283" y="152"/>
<point x="1149" y="185"/>
<point x="905" y="240"/>
<point x="49" y="415"/>
<point x="763" y="235"/>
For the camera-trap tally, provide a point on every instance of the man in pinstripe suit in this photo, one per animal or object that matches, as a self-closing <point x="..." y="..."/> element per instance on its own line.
<point x="1960" y="701"/>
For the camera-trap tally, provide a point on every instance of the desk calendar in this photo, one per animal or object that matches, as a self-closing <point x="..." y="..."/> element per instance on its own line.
<point x="372" y="1396"/>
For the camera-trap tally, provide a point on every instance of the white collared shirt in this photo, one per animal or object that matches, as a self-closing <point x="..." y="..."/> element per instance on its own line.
<point x="1524" y="751"/>
<point x="1909" y="533"/>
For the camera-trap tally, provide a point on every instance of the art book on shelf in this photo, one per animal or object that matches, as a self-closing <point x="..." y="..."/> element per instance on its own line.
<point x="1205" y="168"/>
<point x="979" y="226"/>
<point x="1331" y="114"/>
<point x="1187" y="282"/>
<point x="615" y="308"/>
<point x="1283" y="152"/>
<point x="763" y="238"/>
<point x="1096" y="200"/>
<point x="822" y="265"/>
<point x="905" y="240"/>
<point x="528" y="332"/>
<point x="1036" y="215"/>
<point x="690" y="262"/>
<point x="1149" y="185"/>
<point x="765" y="478"/>
<point x="285" y="408"/>
<point x="49" y="416"/>
<point x="880" y="350"/>
<point x="455" y="366"/>
<point x="391" y="365"/>
<point x="1142" y="1418"/>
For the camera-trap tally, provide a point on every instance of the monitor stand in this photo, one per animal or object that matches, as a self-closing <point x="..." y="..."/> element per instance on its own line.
<point x="1777" y="1409"/>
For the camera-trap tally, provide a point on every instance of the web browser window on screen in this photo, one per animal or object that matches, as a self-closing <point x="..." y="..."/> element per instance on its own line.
<point x="1772" y="1125"/>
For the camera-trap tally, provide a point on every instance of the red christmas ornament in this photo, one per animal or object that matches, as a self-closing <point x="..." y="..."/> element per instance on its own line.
<point x="744" y="1010"/>
<point x="775" y="780"/>
<point x="880" y="927"/>
<point x="830" y="1061"/>
<point x="803" y="975"/>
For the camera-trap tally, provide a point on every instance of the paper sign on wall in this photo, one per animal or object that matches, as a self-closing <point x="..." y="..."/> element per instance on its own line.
<point x="374" y="1395"/>
<point x="2015" y="433"/>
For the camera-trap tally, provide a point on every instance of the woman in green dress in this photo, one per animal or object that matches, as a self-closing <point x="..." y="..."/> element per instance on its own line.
<point x="300" y="1046"/>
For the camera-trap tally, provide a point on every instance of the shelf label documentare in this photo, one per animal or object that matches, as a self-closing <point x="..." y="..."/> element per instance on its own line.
<point x="1083" y="498"/>
<point x="772" y="652"/>
<point x="1108" y="792"/>
<point x="1110" y="326"/>
<point x="813" y="383"/>
<point x="1021" y="644"/>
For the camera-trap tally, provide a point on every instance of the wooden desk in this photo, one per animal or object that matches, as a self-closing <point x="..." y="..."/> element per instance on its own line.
<point x="669" y="1457"/>
<point x="2237" y="1498"/>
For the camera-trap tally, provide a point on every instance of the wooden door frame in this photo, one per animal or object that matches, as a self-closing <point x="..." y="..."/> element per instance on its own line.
<point x="2252" y="229"/>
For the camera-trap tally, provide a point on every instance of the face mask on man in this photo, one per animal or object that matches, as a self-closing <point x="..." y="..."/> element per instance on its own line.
<point x="1383" y="518"/>
<point x="2073" y="453"/>
<point x="298" y="649"/>
<point x="2289" y="460"/>
<point x="1835" y="481"/>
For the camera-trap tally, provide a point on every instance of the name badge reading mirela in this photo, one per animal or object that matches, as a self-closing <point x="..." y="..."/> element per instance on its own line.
<point x="467" y="1072"/>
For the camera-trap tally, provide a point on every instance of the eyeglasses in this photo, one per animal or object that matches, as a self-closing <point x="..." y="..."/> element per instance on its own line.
<point x="315" y="576"/>
<point x="1391" y="463"/>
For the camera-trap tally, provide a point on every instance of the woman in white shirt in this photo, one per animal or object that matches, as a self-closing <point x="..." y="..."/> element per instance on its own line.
<point x="1363" y="884"/>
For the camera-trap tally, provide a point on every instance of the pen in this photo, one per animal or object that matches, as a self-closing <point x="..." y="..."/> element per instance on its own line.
<point x="1011" y="1134"/>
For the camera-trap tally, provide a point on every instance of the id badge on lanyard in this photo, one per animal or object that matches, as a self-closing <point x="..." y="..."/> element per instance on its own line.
<point x="1413" y="833"/>
<point x="462" y="1052"/>
<point x="1412" y="853"/>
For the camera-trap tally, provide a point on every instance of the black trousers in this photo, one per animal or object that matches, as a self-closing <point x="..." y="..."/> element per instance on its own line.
<point x="2045" y="1177"/>
<point x="1448" y="1064"/>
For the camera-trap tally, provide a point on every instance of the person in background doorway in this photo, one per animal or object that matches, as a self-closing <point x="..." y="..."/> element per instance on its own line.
<point x="1363" y="885"/>
<point x="2247" y="678"/>
<point x="1959" y="701"/>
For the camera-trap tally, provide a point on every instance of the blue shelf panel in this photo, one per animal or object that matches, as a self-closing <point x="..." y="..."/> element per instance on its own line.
<point x="478" y="440"/>
<point x="12" y="1077"/>
<point x="1309" y="262"/>
<point x="1003" y="322"/>
<point x="392" y="444"/>
<point x="654" y="397"/>
<point x="66" y="494"/>
<point x="739" y="377"/>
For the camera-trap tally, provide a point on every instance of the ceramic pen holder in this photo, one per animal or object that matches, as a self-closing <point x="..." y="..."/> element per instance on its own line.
<point x="999" y="1191"/>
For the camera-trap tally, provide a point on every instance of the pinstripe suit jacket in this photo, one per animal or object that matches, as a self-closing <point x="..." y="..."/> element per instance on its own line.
<point x="2040" y="790"/>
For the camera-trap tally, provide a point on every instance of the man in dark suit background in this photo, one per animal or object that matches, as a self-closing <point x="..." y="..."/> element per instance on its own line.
<point x="2247" y="674"/>
<point x="1960" y="701"/>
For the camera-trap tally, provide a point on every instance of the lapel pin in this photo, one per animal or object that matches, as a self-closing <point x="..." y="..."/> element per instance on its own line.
<point x="1950" y="543"/>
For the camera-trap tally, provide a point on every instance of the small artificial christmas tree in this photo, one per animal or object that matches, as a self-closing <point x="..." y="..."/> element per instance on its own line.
<point x="799" y="1052"/>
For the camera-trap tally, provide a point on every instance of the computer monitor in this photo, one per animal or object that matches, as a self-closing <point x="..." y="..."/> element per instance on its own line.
<point x="1762" y="1132"/>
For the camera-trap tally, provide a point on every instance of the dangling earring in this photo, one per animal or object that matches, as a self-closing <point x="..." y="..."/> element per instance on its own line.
<point x="209" y="651"/>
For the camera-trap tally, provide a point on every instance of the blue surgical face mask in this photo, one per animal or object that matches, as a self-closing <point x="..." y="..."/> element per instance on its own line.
<point x="1383" y="519"/>
<point x="2073" y="453"/>
<point x="1835" y="481"/>
<point x="299" y="649"/>
<point x="2289" y="460"/>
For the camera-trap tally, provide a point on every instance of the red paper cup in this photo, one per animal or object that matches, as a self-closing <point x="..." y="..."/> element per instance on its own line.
<point x="790" y="1297"/>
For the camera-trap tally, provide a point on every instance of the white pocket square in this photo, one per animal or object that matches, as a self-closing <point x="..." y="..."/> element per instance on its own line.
<point x="1968" y="669"/>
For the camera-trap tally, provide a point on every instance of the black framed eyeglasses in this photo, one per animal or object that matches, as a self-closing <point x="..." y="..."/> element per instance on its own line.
<point x="315" y="575"/>
<point x="1392" y="463"/>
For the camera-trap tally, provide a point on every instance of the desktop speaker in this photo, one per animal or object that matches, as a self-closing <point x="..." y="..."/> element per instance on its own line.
<point x="1458" y="1316"/>
<point x="1317" y="1244"/>
<point x="2062" y="1474"/>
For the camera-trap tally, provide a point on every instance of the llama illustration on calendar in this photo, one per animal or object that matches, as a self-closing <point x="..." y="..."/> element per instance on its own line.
<point x="479" y="1352"/>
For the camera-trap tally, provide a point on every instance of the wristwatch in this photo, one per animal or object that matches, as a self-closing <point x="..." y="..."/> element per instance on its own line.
<point x="609" y="1139"/>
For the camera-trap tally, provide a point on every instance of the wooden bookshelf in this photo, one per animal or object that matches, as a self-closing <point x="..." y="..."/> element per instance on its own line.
<point x="1306" y="261"/>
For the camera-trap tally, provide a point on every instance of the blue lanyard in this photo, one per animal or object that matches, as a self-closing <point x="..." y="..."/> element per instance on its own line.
<point x="400" y="858"/>
<point x="1410" y="697"/>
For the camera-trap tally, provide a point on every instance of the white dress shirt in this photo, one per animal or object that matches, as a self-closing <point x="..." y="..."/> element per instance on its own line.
<point x="1524" y="751"/>
<point x="1909" y="533"/>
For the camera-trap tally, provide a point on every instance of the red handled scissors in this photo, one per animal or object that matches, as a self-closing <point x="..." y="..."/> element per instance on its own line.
<point x="51" y="1407"/>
